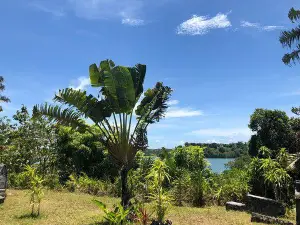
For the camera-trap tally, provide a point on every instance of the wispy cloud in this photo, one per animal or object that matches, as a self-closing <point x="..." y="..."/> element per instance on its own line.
<point x="222" y="132"/>
<point x="271" y="28"/>
<point x="81" y="83"/>
<point x="128" y="11"/>
<point x="176" y="112"/>
<point x="133" y="22"/>
<point x="173" y="102"/>
<point x="41" y="6"/>
<point x="247" y="24"/>
<point x="222" y="135"/>
<point x="200" y="25"/>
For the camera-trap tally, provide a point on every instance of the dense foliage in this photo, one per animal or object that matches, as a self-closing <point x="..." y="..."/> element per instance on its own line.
<point x="273" y="129"/>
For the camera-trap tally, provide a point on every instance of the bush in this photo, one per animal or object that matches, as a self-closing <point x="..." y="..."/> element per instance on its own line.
<point x="231" y="185"/>
<point x="92" y="186"/>
<point x="51" y="181"/>
<point x="17" y="181"/>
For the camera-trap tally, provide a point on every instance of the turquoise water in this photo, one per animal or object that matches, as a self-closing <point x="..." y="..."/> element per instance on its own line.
<point x="218" y="165"/>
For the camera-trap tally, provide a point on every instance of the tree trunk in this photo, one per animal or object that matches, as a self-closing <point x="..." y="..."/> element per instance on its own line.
<point x="125" y="192"/>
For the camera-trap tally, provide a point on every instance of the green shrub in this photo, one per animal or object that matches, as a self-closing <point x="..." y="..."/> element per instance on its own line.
<point x="36" y="189"/>
<point x="17" y="181"/>
<point x="231" y="185"/>
<point x="118" y="216"/>
<point x="51" y="181"/>
<point x="181" y="186"/>
<point x="92" y="186"/>
<point x="158" y="174"/>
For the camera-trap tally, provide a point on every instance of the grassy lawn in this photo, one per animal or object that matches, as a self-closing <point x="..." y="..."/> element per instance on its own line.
<point x="63" y="208"/>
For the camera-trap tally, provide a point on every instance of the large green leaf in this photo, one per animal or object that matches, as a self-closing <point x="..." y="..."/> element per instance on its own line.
<point x="138" y="74"/>
<point x="88" y="105"/>
<point x="154" y="104"/>
<point x="119" y="89"/>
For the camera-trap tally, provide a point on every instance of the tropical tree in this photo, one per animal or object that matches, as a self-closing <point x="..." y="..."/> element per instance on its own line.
<point x="273" y="130"/>
<point x="2" y="88"/>
<point x="290" y="39"/>
<point x="120" y="89"/>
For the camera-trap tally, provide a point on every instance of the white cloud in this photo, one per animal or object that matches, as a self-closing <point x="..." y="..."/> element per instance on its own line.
<point x="133" y="22"/>
<point x="200" y="25"/>
<point x="173" y="102"/>
<point x="57" y="12"/>
<point x="271" y="28"/>
<point x="248" y="24"/>
<point x="258" y="26"/>
<point x="176" y="112"/>
<point x="222" y="132"/>
<point x="81" y="83"/>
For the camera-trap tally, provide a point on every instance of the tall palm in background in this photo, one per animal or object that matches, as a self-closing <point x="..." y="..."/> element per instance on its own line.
<point x="290" y="39"/>
<point x="2" y="98"/>
<point x="120" y="89"/>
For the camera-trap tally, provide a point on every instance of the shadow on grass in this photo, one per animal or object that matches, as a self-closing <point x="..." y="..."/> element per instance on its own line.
<point x="29" y="216"/>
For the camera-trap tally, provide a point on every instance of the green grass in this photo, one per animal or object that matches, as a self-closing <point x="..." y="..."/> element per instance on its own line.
<point x="64" y="208"/>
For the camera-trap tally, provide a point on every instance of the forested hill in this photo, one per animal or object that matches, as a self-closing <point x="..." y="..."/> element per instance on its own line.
<point x="217" y="150"/>
<point x="213" y="150"/>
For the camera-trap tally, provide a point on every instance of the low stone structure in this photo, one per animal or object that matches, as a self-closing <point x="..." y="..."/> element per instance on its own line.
<point x="236" y="206"/>
<point x="258" y="218"/>
<point x="3" y="182"/>
<point x="265" y="206"/>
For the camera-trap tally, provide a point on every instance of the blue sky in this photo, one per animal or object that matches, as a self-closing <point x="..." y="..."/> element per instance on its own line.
<point x="222" y="58"/>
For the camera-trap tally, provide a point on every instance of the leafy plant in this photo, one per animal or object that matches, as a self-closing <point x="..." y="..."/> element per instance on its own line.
<point x="120" y="89"/>
<point x="116" y="217"/>
<point x="181" y="186"/>
<point x="158" y="174"/>
<point x="36" y="189"/>
<point x="141" y="214"/>
<point x="271" y="175"/>
<point x="231" y="185"/>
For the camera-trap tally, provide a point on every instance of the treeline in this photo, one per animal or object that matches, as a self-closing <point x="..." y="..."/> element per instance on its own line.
<point x="218" y="150"/>
<point x="211" y="150"/>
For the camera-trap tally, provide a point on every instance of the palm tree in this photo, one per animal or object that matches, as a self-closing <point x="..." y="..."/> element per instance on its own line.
<point x="2" y="88"/>
<point x="290" y="39"/>
<point x="120" y="89"/>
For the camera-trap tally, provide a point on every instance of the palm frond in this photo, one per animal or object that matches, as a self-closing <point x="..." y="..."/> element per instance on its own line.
<point x="4" y="99"/>
<point x="60" y="115"/>
<point x="294" y="15"/>
<point x="154" y="104"/>
<point x="288" y="58"/>
<point x="88" y="105"/>
<point x="287" y="38"/>
<point x="296" y="110"/>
